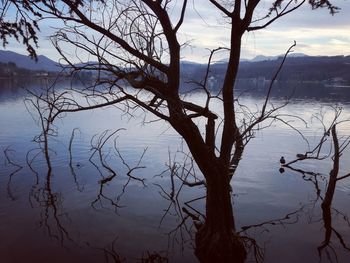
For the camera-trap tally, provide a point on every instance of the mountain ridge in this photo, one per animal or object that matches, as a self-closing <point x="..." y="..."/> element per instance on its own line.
<point x="23" y="61"/>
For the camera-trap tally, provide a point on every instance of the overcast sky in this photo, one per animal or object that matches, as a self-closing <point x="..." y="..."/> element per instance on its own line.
<point x="316" y="33"/>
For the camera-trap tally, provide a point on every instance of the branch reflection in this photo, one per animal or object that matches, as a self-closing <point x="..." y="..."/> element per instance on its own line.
<point x="53" y="219"/>
<point x="337" y="146"/>
<point x="49" y="200"/>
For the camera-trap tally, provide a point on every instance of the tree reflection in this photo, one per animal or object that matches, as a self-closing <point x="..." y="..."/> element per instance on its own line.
<point x="17" y="169"/>
<point x="181" y="173"/>
<point x="334" y="150"/>
<point x="49" y="200"/>
<point x="52" y="217"/>
<point x="71" y="166"/>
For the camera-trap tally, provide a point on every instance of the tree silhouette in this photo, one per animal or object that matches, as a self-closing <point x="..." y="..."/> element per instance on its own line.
<point x="137" y="53"/>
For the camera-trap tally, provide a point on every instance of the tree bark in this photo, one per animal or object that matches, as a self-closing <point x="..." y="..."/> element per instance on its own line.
<point x="217" y="240"/>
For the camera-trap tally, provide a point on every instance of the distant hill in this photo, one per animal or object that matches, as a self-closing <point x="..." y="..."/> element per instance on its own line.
<point x="331" y="71"/>
<point x="259" y="58"/>
<point x="264" y="58"/>
<point x="26" y="62"/>
<point x="301" y="68"/>
<point x="298" y="67"/>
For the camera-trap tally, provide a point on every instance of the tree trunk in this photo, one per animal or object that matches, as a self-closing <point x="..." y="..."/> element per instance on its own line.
<point x="217" y="240"/>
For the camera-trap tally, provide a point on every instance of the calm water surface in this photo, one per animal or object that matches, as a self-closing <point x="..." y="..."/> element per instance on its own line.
<point x="64" y="216"/>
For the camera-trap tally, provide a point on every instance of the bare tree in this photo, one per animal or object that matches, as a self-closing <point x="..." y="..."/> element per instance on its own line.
<point x="137" y="51"/>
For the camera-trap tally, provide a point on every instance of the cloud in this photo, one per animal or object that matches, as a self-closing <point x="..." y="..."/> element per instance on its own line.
<point x="315" y="31"/>
<point x="312" y="41"/>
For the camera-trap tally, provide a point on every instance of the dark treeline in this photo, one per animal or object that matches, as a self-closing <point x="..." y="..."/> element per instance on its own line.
<point x="14" y="73"/>
<point x="300" y="68"/>
<point x="10" y="70"/>
<point x="328" y="70"/>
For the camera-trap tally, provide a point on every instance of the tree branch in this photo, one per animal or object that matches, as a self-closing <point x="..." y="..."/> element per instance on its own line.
<point x="279" y="15"/>
<point x="85" y="21"/>
<point x="181" y="17"/>
<point x="221" y="8"/>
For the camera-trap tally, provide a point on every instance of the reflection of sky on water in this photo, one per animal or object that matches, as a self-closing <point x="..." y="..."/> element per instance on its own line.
<point x="262" y="193"/>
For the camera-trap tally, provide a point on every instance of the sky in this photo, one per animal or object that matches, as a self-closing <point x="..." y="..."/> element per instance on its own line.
<point x="316" y="32"/>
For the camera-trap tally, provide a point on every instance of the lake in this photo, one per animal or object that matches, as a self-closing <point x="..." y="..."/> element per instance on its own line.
<point x="76" y="208"/>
